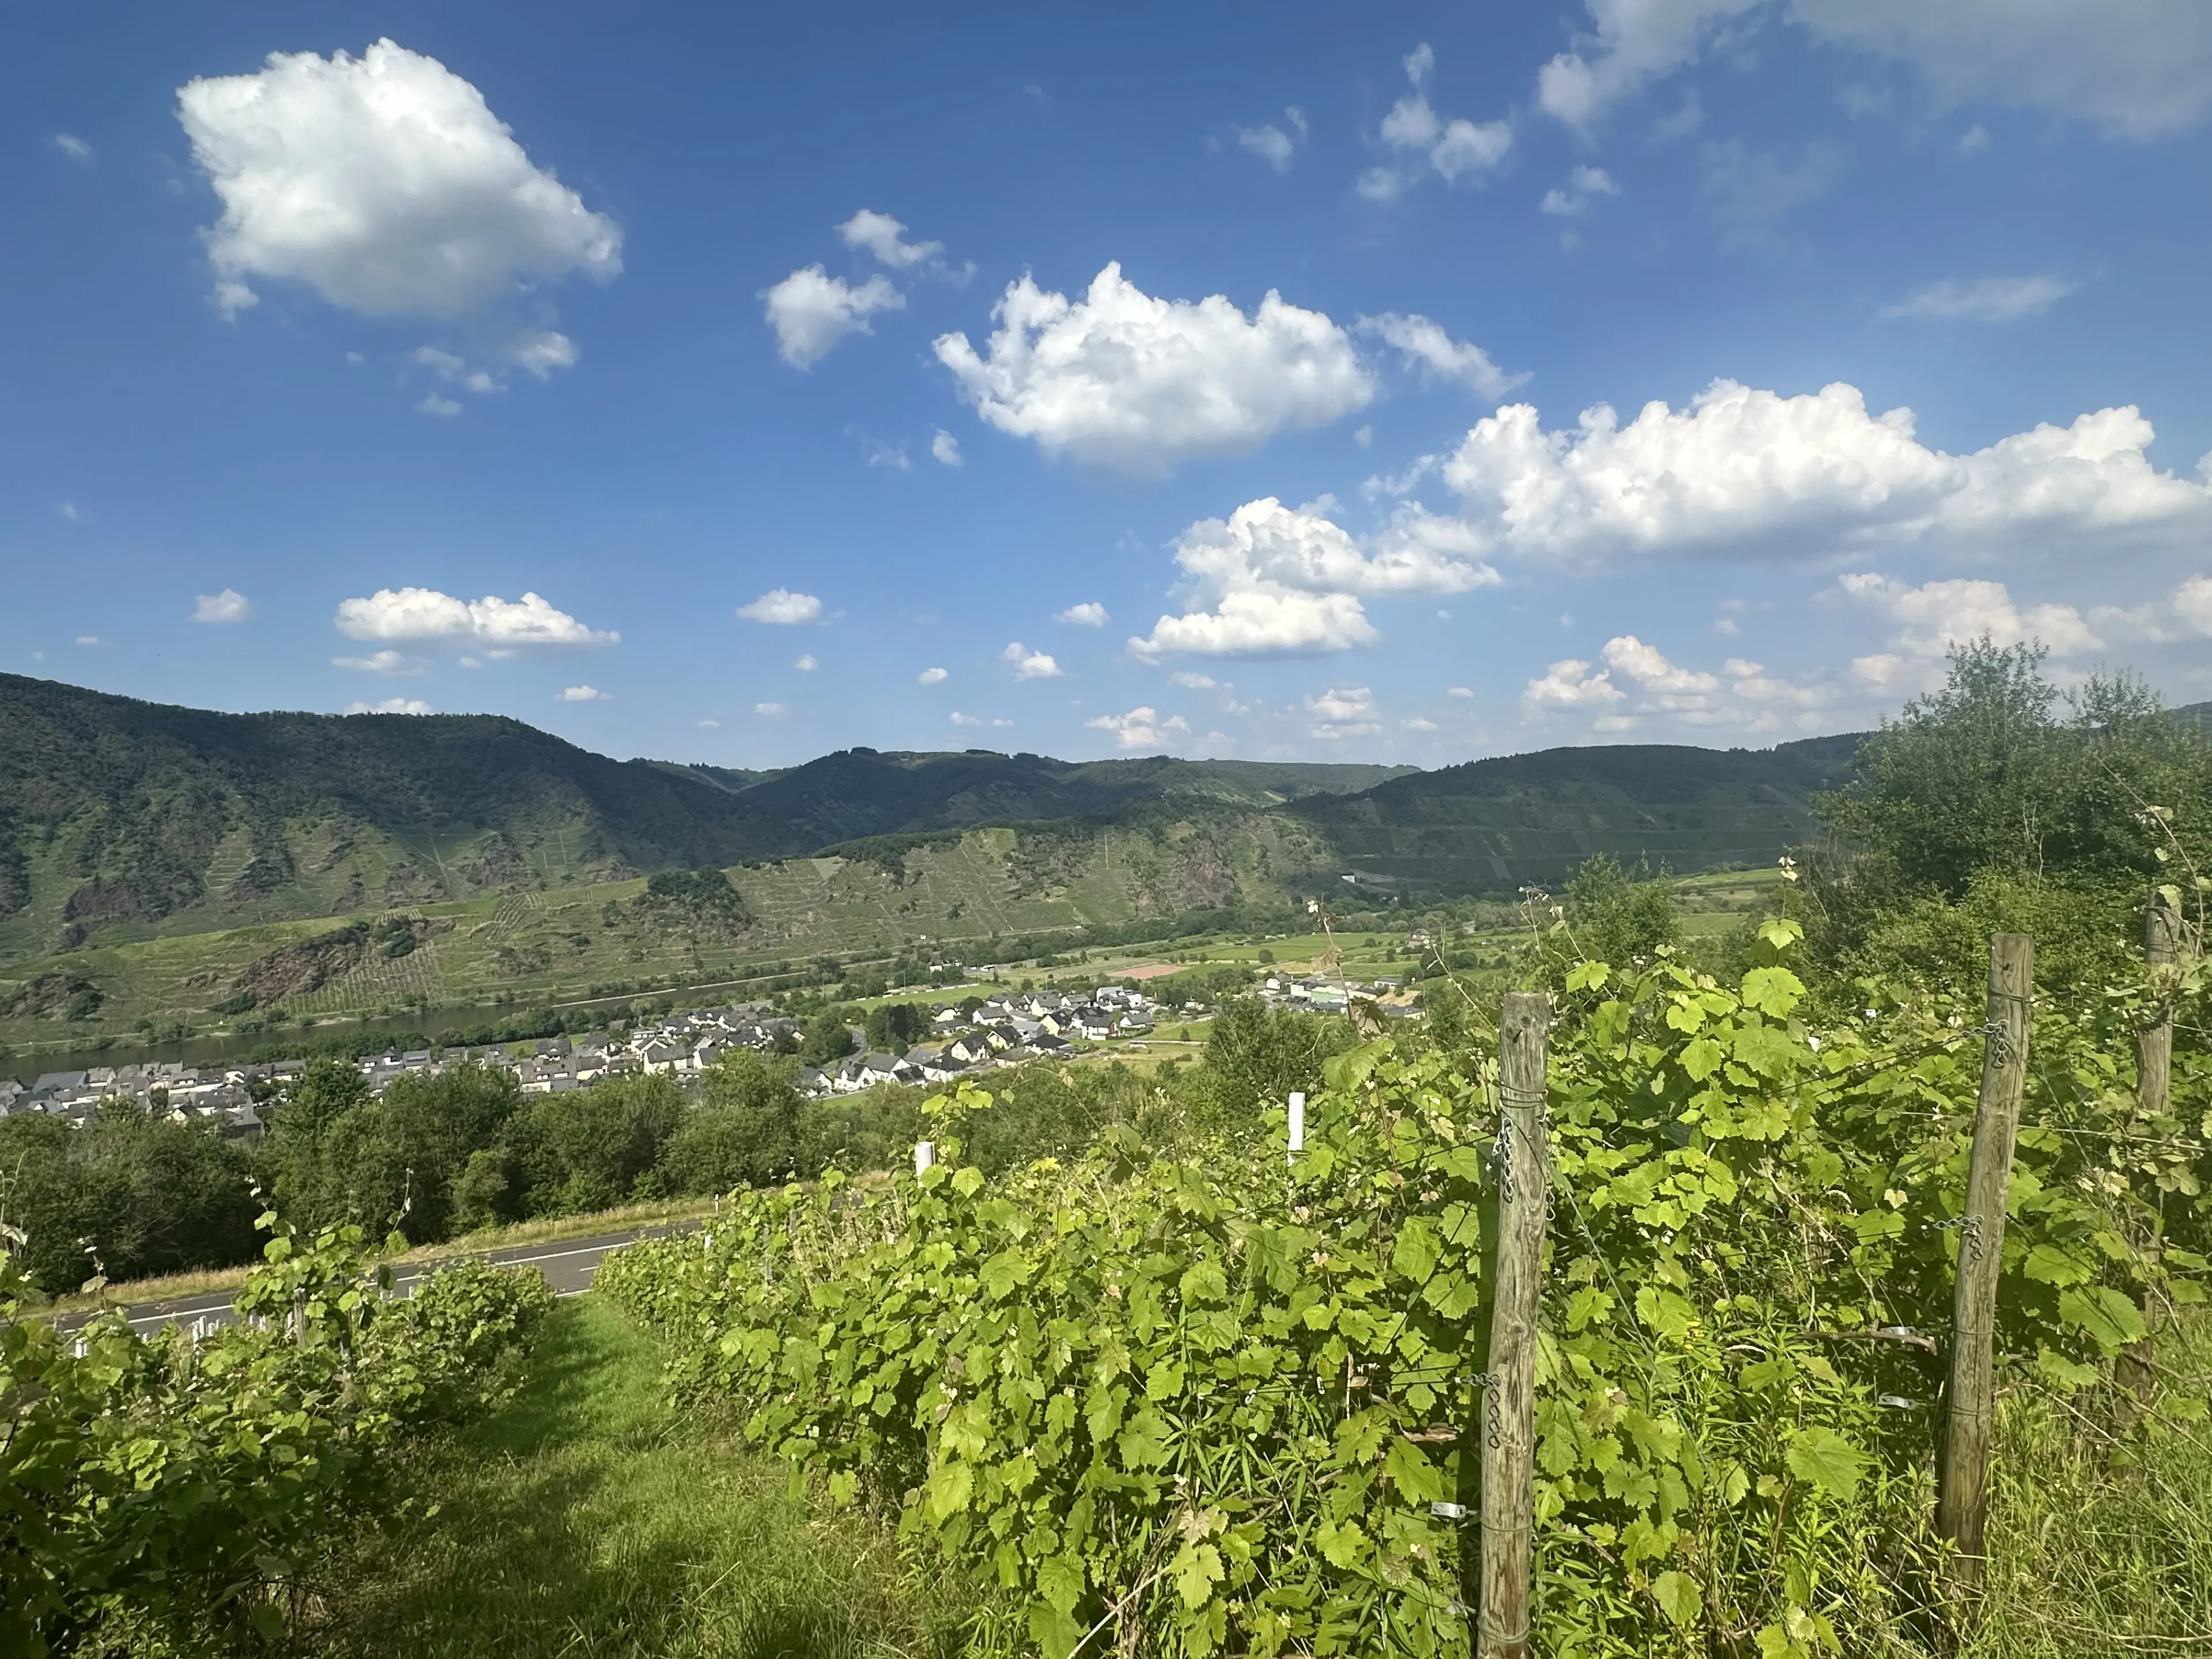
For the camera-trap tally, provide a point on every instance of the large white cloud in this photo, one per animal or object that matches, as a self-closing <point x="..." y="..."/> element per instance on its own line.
<point x="1931" y="617"/>
<point x="424" y="614"/>
<point x="383" y="182"/>
<point x="1121" y="380"/>
<point x="2136" y="68"/>
<point x="1751" y="472"/>
<point x="811" y="311"/>
<point x="1743" y="695"/>
<point x="1274" y="579"/>
<point x="1143" y="728"/>
<point x="1342" y="711"/>
<point x="2139" y="68"/>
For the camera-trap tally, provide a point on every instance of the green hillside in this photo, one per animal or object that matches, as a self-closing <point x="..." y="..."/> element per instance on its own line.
<point x="123" y="820"/>
<point x="1498" y="824"/>
<point x="161" y="864"/>
<point x="954" y="890"/>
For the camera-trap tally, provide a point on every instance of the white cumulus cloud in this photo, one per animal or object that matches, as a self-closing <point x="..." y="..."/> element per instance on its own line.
<point x="781" y="605"/>
<point x="932" y="677"/>
<point x="1142" y="728"/>
<point x="2136" y="68"/>
<point x="386" y="661"/>
<point x="1633" y="43"/>
<point x="1089" y="614"/>
<point x="884" y="236"/>
<point x="228" y="606"/>
<point x="1743" y="695"/>
<point x="1931" y="617"/>
<point x="1029" y="664"/>
<point x="586" y="693"/>
<point x="1454" y="148"/>
<point x="1571" y="685"/>
<point x="1122" y="381"/>
<point x="1751" y="472"/>
<point x="1425" y="345"/>
<point x="1272" y="579"/>
<point x="1342" y="711"/>
<point x="1984" y="300"/>
<point x="2133" y="68"/>
<point x="504" y="625"/>
<point x="945" y="448"/>
<point x="771" y="710"/>
<point x="1271" y="144"/>
<point x="385" y="184"/>
<point x="811" y="311"/>
<point x="1580" y="193"/>
<point x="390" y="706"/>
<point x="806" y="665"/>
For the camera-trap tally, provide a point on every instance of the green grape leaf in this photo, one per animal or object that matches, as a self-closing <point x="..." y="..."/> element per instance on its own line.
<point x="1824" y="1460"/>
<point x="1678" y="1598"/>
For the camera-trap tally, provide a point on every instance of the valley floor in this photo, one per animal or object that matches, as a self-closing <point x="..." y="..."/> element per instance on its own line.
<point x="590" y="1520"/>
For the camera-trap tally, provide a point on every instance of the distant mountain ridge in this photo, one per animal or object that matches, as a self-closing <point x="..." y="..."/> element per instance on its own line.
<point x="1535" y="818"/>
<point x="119" y="814"/>
<point x="121" y="819"/>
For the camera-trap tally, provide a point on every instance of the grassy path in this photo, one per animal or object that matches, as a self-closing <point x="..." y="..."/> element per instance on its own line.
<point x="588" y="1520"/>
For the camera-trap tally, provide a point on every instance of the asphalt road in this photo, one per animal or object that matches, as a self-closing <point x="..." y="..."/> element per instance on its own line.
<point x="567" y="1265"/>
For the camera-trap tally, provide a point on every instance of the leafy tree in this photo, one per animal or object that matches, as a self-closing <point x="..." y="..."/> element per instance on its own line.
<point x="141" y="1192"/>
<point x="589" y="1149"/>
<point x="825" y="1037"/>
<point x="744" y="1131"/>
<point x="1620" y="917"/>
<point x="392" y="1161"/>
<point x="1994" y="803"/>
<point x="894" y="1027"/>
<point x="1255" y="1055"/>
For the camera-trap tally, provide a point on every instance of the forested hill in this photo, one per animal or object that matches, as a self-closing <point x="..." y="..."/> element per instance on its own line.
<point x="112" y="809"/>
<point x="858" y="792"/>
<point x="115" y="812"/>
<point x="1535" y="818"/>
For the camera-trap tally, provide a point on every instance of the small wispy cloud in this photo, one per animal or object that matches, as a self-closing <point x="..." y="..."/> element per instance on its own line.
<point x="1982" y="300"/>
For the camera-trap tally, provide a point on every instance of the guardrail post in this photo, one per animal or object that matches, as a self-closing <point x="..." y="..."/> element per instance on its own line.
<point x="1508" y="1436"/>
<point x="1962" y="1490"/>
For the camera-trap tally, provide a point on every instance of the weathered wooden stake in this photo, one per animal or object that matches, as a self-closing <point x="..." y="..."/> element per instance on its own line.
<point x="1508" y="1434"/>
<point x="1962" y="1489"/>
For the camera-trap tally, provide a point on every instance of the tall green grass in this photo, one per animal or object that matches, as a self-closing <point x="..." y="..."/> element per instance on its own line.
<point x="2100" y="1542"/>
<point x="593" y="1520"/>
<point x="589" y="1520"/>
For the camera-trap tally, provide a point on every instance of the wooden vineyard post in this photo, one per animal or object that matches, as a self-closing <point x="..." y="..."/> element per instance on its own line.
<point x="1962" y="1488"/>
<point x="1507" y="1434"/>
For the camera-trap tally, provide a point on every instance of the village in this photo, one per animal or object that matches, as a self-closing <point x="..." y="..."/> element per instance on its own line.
<point x="976" y="1034"/>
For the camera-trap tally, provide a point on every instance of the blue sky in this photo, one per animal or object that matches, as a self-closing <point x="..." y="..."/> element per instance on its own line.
<point x="788" y="359"/>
